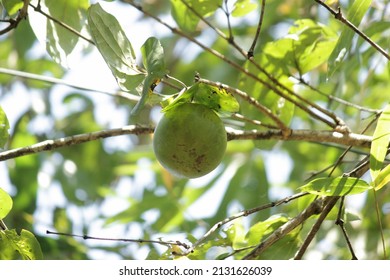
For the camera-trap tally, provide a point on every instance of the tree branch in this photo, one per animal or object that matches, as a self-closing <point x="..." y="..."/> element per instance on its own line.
<point x="324" y="136"/>
<point x="273" y="84"/>
<point x="232" y="134"/>
<point x="340" y="223"/>
<point x="259" y="25"/>
<point x="316" y="207"/>
<point x="85" y="237"/>
<point x="51" y="80"/>
<point x="50" y="145"/>
<point x="239" y="215"/>
<point x="13" y="23"/>
<point x="328" y="207"/>
<point x="263" y="109"/>
<point x="60" y="23"/>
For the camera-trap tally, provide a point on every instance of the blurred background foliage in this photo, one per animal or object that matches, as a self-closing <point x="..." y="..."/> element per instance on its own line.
<point x="115" y="188"/>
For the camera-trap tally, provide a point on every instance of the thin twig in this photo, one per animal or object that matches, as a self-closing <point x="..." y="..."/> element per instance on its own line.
<point x="240" y="117"/>
<point x="339" y="16"/>
<point x="250" y="100"/>
<point x="377" y="211"/>
<point x="85" y="237"/>
<point x="259" y="25"/>
<point x="275" y="86"/>
<point x="52" y="80"/>
<point x="316" y="207"/>
<point x="337" y="99"/>
<point x="340" y="223"/>
<point x="230" y="38"/>
<point x="313" y="231"/>
<point x="60" y="23"/>
<point x="13" y="23"/>
<point x="3" y="226"/>
<point x="244" y="213"/>
<point x="341" y="157"/>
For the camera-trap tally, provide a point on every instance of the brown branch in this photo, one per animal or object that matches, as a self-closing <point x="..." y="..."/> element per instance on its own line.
<point x="241" y="214"/>
<point x="52" y="80"/>
<point x="250" y="100"/>
<point x="274" y="85"/>
<point x="339" y="16"/>
<point x="3" y="225"/>
<point x="316" y="207"/>
<point x="336" y="99"/>
<point x="313" y="231"/>
<point x="340" y="223"/>
<point x="50" y="145"/>
<point x="13" y="23"/>
<point x="85" y="237"/>
<point x="296" y="135"/>
<point x="318" y="136"/>
<point x="259" y="25"/>
<point x="319" y="206"/>
<point x="60" y="23"/>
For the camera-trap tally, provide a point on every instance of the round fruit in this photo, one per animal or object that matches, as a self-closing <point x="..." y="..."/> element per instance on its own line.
<point x="190" y="140"/>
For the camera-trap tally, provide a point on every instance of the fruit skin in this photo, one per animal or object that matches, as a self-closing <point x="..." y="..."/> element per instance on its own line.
<point x="190" y="140"/>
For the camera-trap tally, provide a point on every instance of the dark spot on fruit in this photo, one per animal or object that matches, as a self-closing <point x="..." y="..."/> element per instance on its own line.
<point x="200" y="159"/>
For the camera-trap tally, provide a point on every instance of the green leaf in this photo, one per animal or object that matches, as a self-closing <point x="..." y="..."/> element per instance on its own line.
<point x="344" y="43"/>
<point x="338" y="186"/>
<point x="380" y="143"/>
<point x="306" y="46"/>
<point x="5" y="203"/>
<point x="215" y="98"/>
<point x="314" y="47"/>
<point x="186" y="18"/>
<point x="115" y="48"/>
<point x="12" y="6"/>
<point x="243" y="7"/>
<point x="261" y="230"/>
<point x="285" y="248"/>
<point x="24" y="246"/>
<point x="186" y="95"/>
<point x="382" y="178"/>
<point x="4" y="127"/>
<point x="60" y="42"/>
<point x="153" y="59"/>
<point x="236" y="235"/>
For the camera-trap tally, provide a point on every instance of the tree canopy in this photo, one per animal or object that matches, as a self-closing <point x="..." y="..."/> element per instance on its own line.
<point x="302" y="88"/>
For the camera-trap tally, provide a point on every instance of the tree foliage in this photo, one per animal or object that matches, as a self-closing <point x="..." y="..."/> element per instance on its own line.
<point x="305" y="173"/>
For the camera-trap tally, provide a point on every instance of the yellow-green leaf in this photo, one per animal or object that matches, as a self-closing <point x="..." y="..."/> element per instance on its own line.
<point x="338" y="186"/>
<point x="12" y="6"/>
<point x="4" y="127"/>
<point x="382" y="178"/>
<point x="5" y="203"/>
<point x="380" y="143"/>
<point x="183" y="13"/>
<point x="243" y="7"/>
<point x="355" y="14"/>
<point x="24" y="246"/>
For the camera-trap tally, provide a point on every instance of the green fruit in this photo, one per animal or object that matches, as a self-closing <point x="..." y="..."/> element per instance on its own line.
<point x="190" y="140"/>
